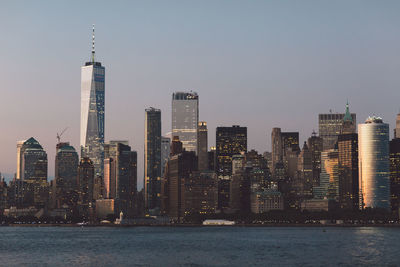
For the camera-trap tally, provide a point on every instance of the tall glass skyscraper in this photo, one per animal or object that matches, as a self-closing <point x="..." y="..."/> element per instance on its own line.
<point x="152" y="160"/>
<point x="92" y="112"/>
<point x="373" y="158"/>
<point x="185" y="118"/>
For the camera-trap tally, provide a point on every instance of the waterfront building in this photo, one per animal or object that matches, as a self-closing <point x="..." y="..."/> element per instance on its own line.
<point x="120" y="179"/>
<point x="33" y="171"/>
<point x="394" y="148"/>
<point x="330" y="126"/>
<point x="152" y="164"/>
<point x="266" y="200"/>
<point x="185" y="118"/>
<point x="202" y="145"/>
<point x="92" y="112"/>
<point x="348" y="171"/>
<point x="229" y="141"/>
<point x="85" y="186"/>
<point x="373" y="158"/>
<point x="66" y="172"/>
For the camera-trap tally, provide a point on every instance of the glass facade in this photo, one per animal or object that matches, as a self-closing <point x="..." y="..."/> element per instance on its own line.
<point x="330" y="126"/>
<point x="185" y="118"/>
<point x="373" y="147"/>
<point x="92" y="114"/>
<point x="152" y="160"/>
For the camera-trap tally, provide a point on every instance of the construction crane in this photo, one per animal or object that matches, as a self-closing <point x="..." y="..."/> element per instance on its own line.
<point x="59" y="135"/>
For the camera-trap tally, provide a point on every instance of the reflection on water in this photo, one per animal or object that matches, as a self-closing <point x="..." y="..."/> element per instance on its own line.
<point x="215" y="246"/>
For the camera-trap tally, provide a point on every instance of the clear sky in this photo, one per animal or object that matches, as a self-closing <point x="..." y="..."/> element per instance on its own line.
<point x="259" y="64"/>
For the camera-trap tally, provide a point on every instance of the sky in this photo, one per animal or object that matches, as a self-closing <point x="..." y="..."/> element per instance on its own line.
<point x="260" y="64"/>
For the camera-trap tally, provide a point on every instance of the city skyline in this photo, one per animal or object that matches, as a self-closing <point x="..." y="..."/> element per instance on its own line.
<point x="46" y="116"/>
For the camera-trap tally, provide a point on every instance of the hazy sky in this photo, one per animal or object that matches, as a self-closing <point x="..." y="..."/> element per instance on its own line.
<point x="259" y="64"/>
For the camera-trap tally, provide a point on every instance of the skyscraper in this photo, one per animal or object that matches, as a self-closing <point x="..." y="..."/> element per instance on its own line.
<point x="373" y="158"/>
<point x="34" y="172"/>
<point x="397" y="129"/>
<point x="92" y="112"/>
<point x="185" y="118"/>
<point x="315" y="144"/>
<point x="395" y="174"/>
<point x="276" y="144"/>
<point x="202" y="146"/>
<point x="331" y="125"/>
<point x="229" y="141"/>
<point x="152" y="160"/>
<point x="66" y="172"/>
<point x="85" y="185"/>
<point x="165" y="151"/>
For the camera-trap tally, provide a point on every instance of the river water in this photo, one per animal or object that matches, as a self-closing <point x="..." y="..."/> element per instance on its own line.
<point x="199" y="246"/>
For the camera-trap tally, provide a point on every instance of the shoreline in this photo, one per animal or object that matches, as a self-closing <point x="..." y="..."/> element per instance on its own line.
<point x="208" y="226"/>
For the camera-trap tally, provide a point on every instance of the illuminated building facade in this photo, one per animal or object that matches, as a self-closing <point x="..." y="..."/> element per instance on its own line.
<point x="185" y="118"/>
<point x="229" y="141"/>
<point x="394" y="147"/>
<point x="202" y="153"/>
<point x="92" y="112"/>
<point x="331" y="125"/>
<point x="373" y="162"/>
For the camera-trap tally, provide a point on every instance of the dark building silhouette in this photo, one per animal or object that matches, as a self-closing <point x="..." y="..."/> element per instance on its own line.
<point x="152" y="160"/>
<point x="229" y="141"/>
<point x="202" y="145"/>
<point x="394" y="147"/>
<point x="315" y="144"/>
<point x="66" y="172"/>
<point x="85" y="186"/>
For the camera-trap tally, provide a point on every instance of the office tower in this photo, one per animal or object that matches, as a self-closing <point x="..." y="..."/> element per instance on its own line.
<point x="330" y="126"/>
<point x="329" y="178"/>
<point x="33" y="171"/>
<point x="152" y="160"/>
<point x="373" y="162"/>
<point x="281" y="143"/>
<point x="85" y="186"/>
<point x="394" y="148"/>
<point x="229" y="141"/>
<point x="212" y="158"/>
<point x="120" y="176"/>
<point x="20" y="151"/>
<point x="66" y="172"/>
<point x="276" y="144"/>
<point x="92" y="112"/>
<point x="165" y="151"/>
<point x="348" y="171"/>
<point x="202" y="145"/>
<point x="201" y="193"/>
<point x="397" y="129"/>
<point x="180" y="168"/>
<point x="185" y="118"/>
<point x="240" y="186"/>
<point x="304" y="172"/>
<point x="268" y="157"/>
<point x="315" y="144"/>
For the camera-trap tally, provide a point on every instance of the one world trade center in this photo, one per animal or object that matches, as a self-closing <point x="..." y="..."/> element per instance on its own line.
<point x="92" y="112"/>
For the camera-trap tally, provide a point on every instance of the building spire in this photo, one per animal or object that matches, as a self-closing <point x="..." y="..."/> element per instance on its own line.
<point x="347" y="115"/>
<point x="93" y="51"/>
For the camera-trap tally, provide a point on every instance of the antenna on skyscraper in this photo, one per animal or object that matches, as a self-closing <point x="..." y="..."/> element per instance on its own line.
<point x="93" y="51"/>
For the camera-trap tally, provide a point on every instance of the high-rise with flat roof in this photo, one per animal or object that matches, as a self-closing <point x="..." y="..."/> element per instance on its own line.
<point x="152" y="160"/>
<point x="92" y="112"/>
<point x="229" y="141"/>
<point x="373" y="163"/>
<point x="185" y="118"/>
<point x="331" y="125"/>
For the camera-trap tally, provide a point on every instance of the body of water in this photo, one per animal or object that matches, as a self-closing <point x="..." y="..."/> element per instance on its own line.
<point x="199" y="246"/>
